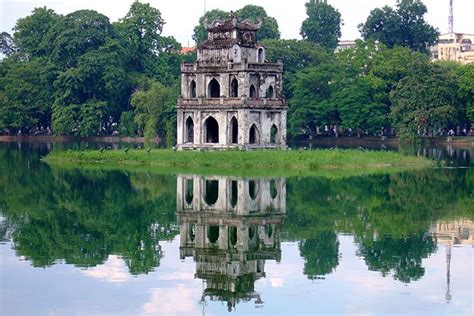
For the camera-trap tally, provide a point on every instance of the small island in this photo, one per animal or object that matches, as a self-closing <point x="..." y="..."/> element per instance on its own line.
<point x="331" y="163"/>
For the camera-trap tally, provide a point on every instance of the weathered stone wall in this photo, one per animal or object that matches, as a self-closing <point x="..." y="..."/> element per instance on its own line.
<point x="263" y="119"/>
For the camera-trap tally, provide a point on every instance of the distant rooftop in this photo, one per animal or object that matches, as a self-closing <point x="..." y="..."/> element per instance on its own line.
<point x="186" y="50"/>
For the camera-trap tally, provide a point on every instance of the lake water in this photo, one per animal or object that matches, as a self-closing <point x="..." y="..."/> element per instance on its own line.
<point x="76" y="242"/>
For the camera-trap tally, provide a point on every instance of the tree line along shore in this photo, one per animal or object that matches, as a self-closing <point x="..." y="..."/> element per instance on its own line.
<point x="82" y="75"/>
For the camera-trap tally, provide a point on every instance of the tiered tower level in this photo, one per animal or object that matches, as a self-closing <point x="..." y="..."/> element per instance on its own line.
<point x="231" y="97"/>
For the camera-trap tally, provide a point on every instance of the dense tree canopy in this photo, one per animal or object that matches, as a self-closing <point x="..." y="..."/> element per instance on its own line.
<point x="422" y="105"/>
<point x="404" y="26"/>
<point x="323" y="24"/>
<point x="466" y="89"/>
<point x="269" y="29"/>
<point x="30" y="33"/>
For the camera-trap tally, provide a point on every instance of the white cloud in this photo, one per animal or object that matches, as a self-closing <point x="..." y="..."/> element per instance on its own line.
<point x="114" y="270"/>
<point x="167" y="301"/>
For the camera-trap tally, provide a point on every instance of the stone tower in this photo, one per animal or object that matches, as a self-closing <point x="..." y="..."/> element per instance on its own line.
<point x="230" y="97"/>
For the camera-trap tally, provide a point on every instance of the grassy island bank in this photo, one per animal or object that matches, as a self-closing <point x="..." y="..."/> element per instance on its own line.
<point x="328" y="163"/>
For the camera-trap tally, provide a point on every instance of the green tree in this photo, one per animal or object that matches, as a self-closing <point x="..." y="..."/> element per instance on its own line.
<point x="200" y="33"/>
<point x="404" y="26"/>
<point x="421" y="105"/>
<point x="140" y="31"/>
<point x="127" y="126"/>
<point x="269" y="29"/>
<point x="7" y="47"/>
<point x="323" y="24"/>
<point x="466" y="89"/>
<point x="310" y="107"/>
<point x="30" y="33"/>
<point x="154" y="107"/>
<point x="88" y="94"/>
<point x="295" y="55"/>
<point x="358" y="103"/>
<point x="25" y="95"/>
<point x="76" y="34"/>
<point x="383" y="68"/>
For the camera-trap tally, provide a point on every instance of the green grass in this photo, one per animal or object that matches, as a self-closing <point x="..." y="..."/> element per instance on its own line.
<point x="327" y="163"/>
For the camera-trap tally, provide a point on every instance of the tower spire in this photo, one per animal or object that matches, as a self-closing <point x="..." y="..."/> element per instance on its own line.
<point x="451" y="17"/>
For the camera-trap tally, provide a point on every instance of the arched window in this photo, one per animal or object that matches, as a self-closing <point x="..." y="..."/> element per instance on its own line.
<point x="261" y="56"/>
<point x="253" y="92"/>
<point x="234" y="127"/>
<point x="211" y="128"/>
<point x="253" y="189"/>
<point x="269" y="230"/>
<point x="192" y="232"/>
<point x="189" y="130"/>
<point x="234" y="193"/>
<point x="273" y="134"/>
<point x="232" y="236"/>
<point x="234" y="88"/>
<point x="213" y="233"/>
<point x="254" y="136"/>
<point x="214" y="89"/>
<point x="273" y="189"/>
<point x="192" y="89"/>
<point x="270" y="93"/>
<point x="189" y="190"/>
<point x="211" y="193"/>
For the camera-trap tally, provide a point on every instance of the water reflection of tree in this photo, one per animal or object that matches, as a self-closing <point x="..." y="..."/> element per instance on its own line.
<point x="388" y="215"/>
<point x="403" y="256"/>
<point x="321" y="254"/>
<point x="83" y="217"/>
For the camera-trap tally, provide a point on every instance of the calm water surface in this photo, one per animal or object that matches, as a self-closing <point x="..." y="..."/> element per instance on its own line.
<point x="76" y="242"/>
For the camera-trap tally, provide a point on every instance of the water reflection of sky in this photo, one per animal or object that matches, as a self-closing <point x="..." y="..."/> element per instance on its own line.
<point x="173" y="290"/>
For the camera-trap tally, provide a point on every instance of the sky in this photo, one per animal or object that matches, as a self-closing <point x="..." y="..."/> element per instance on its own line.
<point x="182" y="15"/>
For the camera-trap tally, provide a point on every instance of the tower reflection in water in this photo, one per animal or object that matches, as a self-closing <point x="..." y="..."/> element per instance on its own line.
<point x="230" y="226"/>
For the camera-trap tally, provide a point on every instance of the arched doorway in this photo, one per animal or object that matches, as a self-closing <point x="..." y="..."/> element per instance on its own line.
<point x="192" y="89"/>
<point x="254" y="135"/>
<point x="270" y="92"/>
<point x="234" y="88"/>
<point x="234" y="131"/>
<point x="189" y="130"/>
<point x="253" y="92"/>
<point x="273" y="134"/>
<point x="211" y="128"/>
<point x="214" y="89"/>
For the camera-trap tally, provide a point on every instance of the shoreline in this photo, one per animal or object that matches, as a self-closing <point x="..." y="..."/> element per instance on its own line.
<point x="457" y="141"/>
